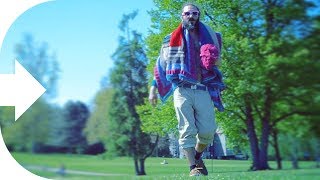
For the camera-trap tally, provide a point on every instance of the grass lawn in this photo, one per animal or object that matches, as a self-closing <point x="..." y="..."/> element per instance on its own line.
<point x="123" y="168"/>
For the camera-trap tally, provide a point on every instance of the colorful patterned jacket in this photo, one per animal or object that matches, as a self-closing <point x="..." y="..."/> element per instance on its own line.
<point x="173" y="68"/>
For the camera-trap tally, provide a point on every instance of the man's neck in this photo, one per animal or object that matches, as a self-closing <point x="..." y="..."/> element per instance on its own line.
<point x="192" y="31"/>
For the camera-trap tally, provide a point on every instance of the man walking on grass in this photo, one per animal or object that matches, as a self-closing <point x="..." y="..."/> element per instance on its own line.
<point x="187" y="67"/>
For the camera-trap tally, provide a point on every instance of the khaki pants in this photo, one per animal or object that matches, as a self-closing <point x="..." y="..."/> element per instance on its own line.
<point x="196" y="119"/>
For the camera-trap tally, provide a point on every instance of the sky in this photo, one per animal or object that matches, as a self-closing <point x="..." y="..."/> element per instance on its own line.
<point x="83" y="35"/>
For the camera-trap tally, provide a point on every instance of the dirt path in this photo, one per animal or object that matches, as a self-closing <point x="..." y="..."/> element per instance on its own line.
<point x="61" y="171"/>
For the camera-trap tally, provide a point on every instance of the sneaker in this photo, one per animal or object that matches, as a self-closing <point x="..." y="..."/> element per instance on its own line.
<point x="201" y="167"/>
<point x="195" y="172"/>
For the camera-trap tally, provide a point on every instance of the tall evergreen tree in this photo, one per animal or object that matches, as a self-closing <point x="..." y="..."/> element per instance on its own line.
<point x="129" y="80"/>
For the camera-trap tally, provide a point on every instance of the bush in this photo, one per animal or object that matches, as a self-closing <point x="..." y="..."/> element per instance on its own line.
<point x="94" y="149"/>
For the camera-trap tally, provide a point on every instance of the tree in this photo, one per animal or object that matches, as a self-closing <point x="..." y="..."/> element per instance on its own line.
<point x="128" y="78"/>
<point x="32" y="127"/>
<point x="69" y="132"/>
<point x="258" y="56"/>
<point x="30" y="130"/>
<point x="6" y="116"/>
<point x="96" y="127"/>
<point x="162" y="119"/>
<point x="38" y="59"/>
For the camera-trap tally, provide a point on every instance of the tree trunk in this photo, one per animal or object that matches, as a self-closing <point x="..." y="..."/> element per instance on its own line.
<point x="139" y="166"/>
<point x="252" y="136"/>
<point x="136" y="166"/>
<point x="264" y="146"/>
<point x="294" y="155"/>
<point x="294" y="161"/>
<point x="315" y="144"/>
<point x="276" y="148"/>
<point x="264" y="141"/>
<point x="142" y="171"/>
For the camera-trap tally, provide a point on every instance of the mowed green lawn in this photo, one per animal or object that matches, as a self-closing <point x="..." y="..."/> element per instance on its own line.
<point x="123" y="168"/>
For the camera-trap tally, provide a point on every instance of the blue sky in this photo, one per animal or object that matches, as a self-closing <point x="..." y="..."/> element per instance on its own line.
<point x="83" y="34"/>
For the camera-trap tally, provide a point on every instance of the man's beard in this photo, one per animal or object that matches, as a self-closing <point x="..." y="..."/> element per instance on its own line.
<point x="190" y="24"/>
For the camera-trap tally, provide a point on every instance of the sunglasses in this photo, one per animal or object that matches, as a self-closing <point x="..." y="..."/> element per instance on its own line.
<point x="188" y="13"/>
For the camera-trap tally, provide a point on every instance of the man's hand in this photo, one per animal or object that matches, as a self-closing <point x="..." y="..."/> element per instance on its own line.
<point x="153" y="96"/>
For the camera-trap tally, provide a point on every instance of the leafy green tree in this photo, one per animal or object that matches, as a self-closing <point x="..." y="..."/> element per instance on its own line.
<point x="30" y="130"/>
<point x="267" y="79"/>
<point x="6" y="116"/>
<point x="96" y="127"/>
<point x="40" y="61"/>
<point x="32" y="127"/>
<point x="160" y="120"/>
<point x="292" y="143"/>
<point x="6" y="119"/>
<point x="128" y="78"/>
